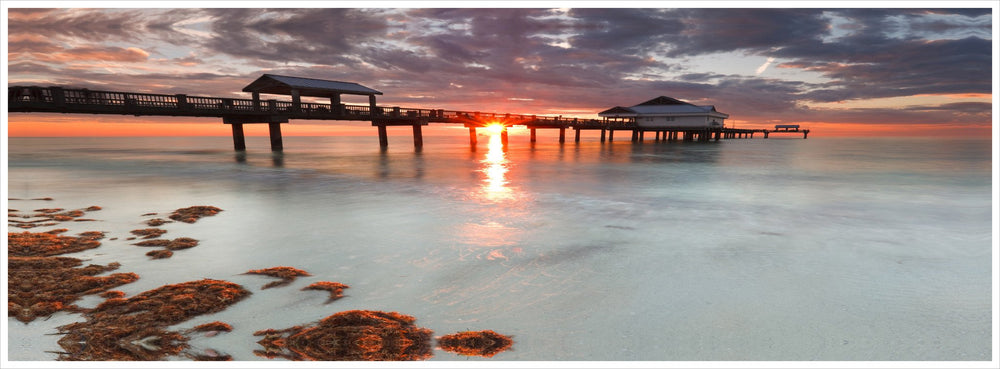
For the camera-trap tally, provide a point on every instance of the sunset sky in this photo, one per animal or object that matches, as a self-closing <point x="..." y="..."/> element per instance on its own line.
<point x="839" y="71"/>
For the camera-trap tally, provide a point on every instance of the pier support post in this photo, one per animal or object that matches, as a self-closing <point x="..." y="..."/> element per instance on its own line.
<point x="805" y="134"/>
<point x="562" y="135"/>
<point x="418" y="136"/>
<point x="603" y="134"/>
<point x="533" y="137"/>
<point x="642" y="135"/>
<point x="717" y="135"/>
<point x="383" y="137"/>
<point x="239" y="141"/>
<point x="635" y="135"/>
<point x="274" y="129"/>
<point x="611" y="135"/>
<point x="577" y="138"/>
<point x="296" y="100"/>
<point x="472" y="136"/>
<point x="503" y="136"/>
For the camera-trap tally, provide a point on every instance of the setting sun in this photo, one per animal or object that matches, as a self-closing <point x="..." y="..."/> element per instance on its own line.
<point x="495" y="128"/>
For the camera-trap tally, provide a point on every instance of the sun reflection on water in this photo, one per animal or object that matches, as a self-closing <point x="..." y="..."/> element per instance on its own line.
<point x="496" y="166"/>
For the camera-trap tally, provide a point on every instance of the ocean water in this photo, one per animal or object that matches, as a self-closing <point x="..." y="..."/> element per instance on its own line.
<point x="778" y="249"/>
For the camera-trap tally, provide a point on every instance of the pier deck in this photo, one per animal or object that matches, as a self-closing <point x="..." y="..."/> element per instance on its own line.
<point x="237" y="111"/>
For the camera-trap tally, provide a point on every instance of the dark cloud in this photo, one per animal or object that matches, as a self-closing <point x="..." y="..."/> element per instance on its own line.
<point x="322" y="36"/>
<point x="721" y="30"/>
<point x="904" y="69"/>
<point x="625" y="31"/>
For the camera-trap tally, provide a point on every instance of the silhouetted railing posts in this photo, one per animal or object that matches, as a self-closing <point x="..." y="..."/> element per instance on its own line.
<point x="58" y="96"/>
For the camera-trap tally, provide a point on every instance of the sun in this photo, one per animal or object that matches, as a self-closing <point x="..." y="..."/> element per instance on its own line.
<point x="494" y="128"/>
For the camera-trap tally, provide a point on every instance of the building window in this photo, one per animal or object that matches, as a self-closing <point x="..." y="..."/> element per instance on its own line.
<point x="649" y="119"/>
<point x="670" y="119"/>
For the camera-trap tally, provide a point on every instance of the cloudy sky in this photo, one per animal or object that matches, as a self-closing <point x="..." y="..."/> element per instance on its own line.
<point x="842" y="69"/>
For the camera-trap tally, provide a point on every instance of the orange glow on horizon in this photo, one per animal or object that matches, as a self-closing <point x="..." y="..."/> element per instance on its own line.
<point x="72" y="125"/>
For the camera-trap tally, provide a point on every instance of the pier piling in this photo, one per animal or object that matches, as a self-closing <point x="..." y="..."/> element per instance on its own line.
<point x="274" y="129"/>
<point x="239" y="141"/>
<point x="383" y="137"/>
<point x="418" y="136"/>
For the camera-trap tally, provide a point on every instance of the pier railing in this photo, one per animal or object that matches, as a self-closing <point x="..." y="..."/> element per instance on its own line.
<point x="65" y="100"/>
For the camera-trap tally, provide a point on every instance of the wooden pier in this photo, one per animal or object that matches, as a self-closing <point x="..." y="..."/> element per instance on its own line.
<point x="236" y="112"/>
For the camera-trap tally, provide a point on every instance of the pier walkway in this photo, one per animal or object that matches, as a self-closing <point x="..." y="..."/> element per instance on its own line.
<point x="237" y="111"/>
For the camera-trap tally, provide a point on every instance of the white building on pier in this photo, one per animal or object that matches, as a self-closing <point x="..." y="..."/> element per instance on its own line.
<point x="667" y="112"/>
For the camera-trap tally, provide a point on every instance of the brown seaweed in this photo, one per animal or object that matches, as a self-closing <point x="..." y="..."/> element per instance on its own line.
<point x="483" y="343"/>
<point x="148" y="233"/>
<point x="356" y="335"/>
<point x="179" y="243"/>
<point x="336" y="289"/>
<point x="193" y="213"/>
<point x="160" y="254"/>
<point x="41" y="286"/>
<point x="48" y="216"/>
<point x="156" y="222"/>
<point x="113" y="294"/>
<point x="287" y="275"/>
<point x="212" y="327"/>
<point x="135" y="328"/>
<point x="50" y="243"/>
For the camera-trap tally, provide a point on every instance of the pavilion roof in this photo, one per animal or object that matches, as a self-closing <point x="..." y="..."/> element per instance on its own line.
<point x="283" y="85"/>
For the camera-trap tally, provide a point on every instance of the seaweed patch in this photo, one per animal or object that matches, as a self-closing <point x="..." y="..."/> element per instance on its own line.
<point x="50" y="243"/>
<point x="47" y="217"/>
<point x="336" y="289"/>
<point x="179" y="243"/>
<point x="287" y="275"/>
<point x="148" y="233"/>
<point x="193" y="213"/>
<point x="483" y="343"/>
<point x="135" y="328"/>
<point x="40" y="284"/>
<point x="357" y="335"/>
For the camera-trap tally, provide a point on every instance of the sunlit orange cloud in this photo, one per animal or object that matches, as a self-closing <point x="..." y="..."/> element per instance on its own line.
<point x="131" y="54"/>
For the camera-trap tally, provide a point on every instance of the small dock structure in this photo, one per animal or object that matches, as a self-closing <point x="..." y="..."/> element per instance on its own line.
<point x="238" y="111"/>
<point x="788" y="128"/>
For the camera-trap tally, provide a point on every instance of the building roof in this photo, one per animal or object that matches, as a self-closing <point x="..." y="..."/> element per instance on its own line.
<point x="283" y="85"/>
<point x="663" y="100"/>
<point x="663" y="105"/>
<point x="618" y="110"/>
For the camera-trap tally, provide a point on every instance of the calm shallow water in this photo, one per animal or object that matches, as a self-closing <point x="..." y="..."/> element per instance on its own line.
<point x="778" y="249"/>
